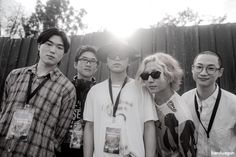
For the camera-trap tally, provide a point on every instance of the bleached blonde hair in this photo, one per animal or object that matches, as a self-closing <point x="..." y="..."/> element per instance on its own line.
<point x="171" y="67"/>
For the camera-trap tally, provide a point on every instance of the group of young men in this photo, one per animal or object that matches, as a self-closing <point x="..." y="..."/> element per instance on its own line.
<point x="43" y="114"/>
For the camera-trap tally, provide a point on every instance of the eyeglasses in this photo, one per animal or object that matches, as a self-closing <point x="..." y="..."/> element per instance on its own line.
<point x="210" y="69"/>
<point x="154" y="75"/>
<point x="86" y="61"/>
<point x="114" y="55"/>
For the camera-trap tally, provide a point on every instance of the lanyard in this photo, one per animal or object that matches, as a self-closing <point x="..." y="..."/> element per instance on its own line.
<point x="29" y="94"/>
<point x="118" y="96"/>
<point x="212" y="115"/>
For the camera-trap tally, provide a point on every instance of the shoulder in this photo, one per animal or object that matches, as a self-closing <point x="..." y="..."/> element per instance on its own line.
<point x="62" y="80"/>
<point x="189" y="93"/>
<point x="229" y="97"/>
<point x="100" y="86"/>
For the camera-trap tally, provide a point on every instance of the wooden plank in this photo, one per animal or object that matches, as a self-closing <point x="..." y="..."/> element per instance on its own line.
<point x="207" y="38"/>
<point x="24" y="51"/>
<point x="224" y="47"/>
<point x="13" y="55"/>
<point x="33" y="53"/>
<point x="191" y="49"/>
<point x="160" y="40"/>
<point x="4" y="62"/>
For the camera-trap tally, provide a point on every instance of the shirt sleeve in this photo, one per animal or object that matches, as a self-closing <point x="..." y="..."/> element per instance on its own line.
<point x="8" y="82"/>
<point x="65" y="115"/>
<point x="88" y="114"/>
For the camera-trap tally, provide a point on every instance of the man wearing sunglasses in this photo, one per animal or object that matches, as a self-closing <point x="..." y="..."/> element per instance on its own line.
<point x="213" y="109"/>
<point x="161" y="75"/>
<point x="85" y="63"/>
<point x="117" y="122"/>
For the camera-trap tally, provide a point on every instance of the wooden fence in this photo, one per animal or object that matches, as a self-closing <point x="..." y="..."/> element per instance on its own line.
<point x="181" y="42"/>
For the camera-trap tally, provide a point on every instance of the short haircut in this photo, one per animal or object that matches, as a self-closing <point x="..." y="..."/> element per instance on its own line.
<point x="45" y="35"/>
<point x="83" y="49"/>
<point x="170" y="65"/>
<point x="220" y="61"/>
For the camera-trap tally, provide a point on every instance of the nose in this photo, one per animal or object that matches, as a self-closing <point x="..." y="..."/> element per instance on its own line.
<point x="117" y="57"/>
<point x="204" y="71"/>
<point x="53" y="49"/>
<point x="150" y="79"/>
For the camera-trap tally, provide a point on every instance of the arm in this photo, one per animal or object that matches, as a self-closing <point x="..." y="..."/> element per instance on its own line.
<point x="149" y="139"/>
<point x="88" y="139"/>
<point x="65" y="116"/>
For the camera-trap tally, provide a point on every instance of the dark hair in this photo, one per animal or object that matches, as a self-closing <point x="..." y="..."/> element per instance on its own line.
<point x="45" y="35"/>
<point x="211" y="53"/>
<point x="83" y="49"/>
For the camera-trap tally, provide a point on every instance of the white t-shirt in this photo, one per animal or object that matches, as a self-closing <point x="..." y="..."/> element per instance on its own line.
<point x="136" y="107"/>
<point x="222" y="135"/>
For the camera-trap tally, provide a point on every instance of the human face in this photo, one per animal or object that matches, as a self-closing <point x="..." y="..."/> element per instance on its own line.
<point x="117" y="64"/>
<point x="52" y="51"/>
<point x="205" y="78"/>
<point x="87" y="65"/>
<point x="158" y="85"/>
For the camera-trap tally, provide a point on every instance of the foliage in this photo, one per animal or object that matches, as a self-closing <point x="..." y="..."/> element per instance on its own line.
<point x="56" y="13"/>
<point x="188" y="17"/>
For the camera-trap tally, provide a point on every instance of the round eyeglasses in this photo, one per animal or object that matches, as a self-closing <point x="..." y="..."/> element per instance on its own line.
<point x="210" y="69"/>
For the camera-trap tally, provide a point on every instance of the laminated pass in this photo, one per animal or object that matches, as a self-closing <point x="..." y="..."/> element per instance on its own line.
<point x="116" y="137"/>
<point x="76" y="139"/>
<point x="20" y="124"/>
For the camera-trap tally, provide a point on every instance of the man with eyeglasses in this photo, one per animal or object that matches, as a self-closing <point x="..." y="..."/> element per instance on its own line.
<point x="85" y="63"/>
<point x="119" y="123"/>
<point x="213" y="109"/>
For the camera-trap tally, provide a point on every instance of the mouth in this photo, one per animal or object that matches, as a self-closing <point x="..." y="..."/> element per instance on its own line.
<point x="203" y="79"/>
<point x="87" y="69"/>
<point x="152" y="87"/>
<point x="50" y="57"/>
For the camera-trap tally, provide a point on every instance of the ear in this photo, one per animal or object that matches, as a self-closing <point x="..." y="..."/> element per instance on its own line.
<point x="220" y="73"/>
<point x="39" y="46"/>
<point x="75" y="65"/>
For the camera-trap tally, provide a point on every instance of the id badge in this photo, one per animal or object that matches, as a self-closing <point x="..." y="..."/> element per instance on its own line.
<point x="20" y="124"/>
<point x="77" y="132"/>
<point x="112" y="137"/>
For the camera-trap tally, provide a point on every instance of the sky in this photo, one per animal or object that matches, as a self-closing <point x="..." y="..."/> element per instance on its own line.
<point x="125" y="16"/>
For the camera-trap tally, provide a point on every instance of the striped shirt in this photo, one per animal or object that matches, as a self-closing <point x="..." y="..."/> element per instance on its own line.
<point x="53" y="103"/>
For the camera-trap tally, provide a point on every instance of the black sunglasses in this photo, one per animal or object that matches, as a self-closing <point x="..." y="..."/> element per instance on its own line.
<point x="153" y="74"/>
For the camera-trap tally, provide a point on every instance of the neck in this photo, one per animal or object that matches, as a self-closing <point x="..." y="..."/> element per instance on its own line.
<point x="118" y="78"/>
<point x="42" y="69"/>
<point x="205" y="92"/>
<point x="163" y="96"/>
<point x="79" y="76"/>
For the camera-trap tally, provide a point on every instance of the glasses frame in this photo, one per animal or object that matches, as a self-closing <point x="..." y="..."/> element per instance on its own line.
<point x="86" y="61"/>
<point x="154" y="74"/>
<point x="209" y="72"/>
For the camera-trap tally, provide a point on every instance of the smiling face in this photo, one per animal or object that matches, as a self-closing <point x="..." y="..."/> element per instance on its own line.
<point x="203" y="78"/>
<point x="86" y="65"/>
<point x="158" y="85"/>
<point x="52" y="51"/>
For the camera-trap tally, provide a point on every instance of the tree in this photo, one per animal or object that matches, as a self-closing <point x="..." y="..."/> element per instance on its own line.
<point x="56" y="13"/>
<point x="188" y="17"/>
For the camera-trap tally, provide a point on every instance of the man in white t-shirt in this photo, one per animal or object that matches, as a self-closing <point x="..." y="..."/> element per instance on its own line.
<point x="117" y="122"/>
<point x="213" y="109"/>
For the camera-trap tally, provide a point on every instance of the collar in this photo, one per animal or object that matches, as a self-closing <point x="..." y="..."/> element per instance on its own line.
<point x="211" y="99"/>
<point x="54" y="74"/>
<point x="167" y="102"/>
<point x="93" y="79"/>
